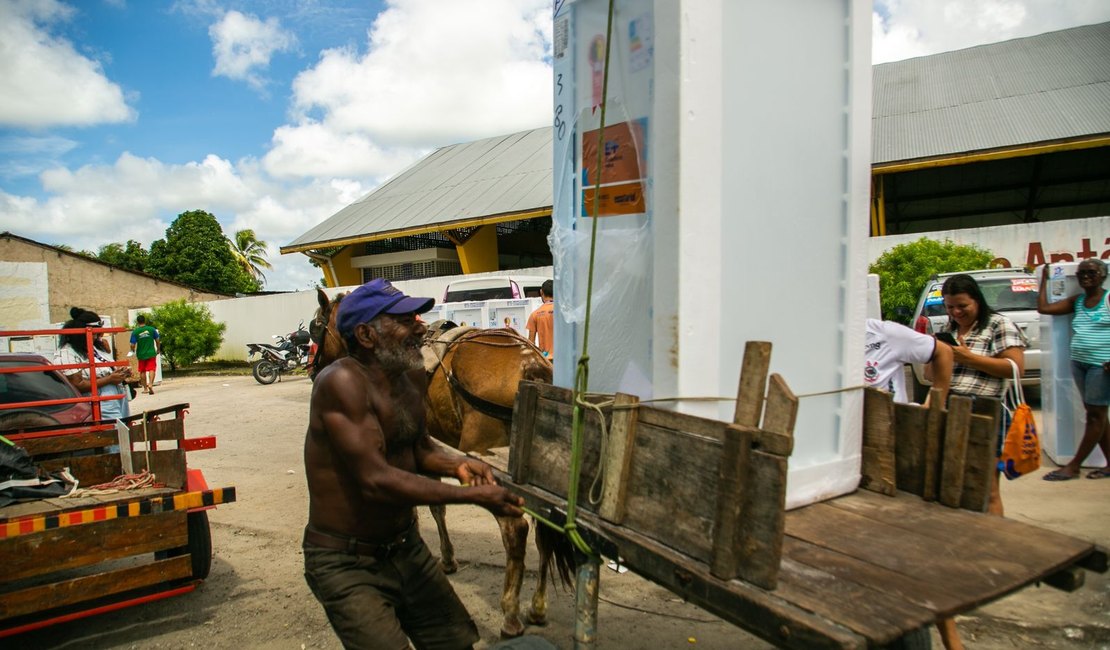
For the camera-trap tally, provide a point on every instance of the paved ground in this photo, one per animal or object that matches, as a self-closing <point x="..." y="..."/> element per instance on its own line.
<point x="256" y="596"/>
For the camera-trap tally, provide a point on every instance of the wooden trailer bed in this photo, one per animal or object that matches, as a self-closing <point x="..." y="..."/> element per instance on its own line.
<point x="68" y="557"/>
<point x="697" y="506"/>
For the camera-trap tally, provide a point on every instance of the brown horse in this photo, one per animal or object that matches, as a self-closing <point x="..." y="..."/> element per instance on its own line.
<point x="473" y="376"/>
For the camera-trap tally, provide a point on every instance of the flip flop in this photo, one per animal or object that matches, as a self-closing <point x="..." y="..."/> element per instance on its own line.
<point x="1099" y="473"/>
<point x="1059" y="475"/>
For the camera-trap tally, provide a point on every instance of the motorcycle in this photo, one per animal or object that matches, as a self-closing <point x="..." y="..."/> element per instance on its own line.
<point x="286" y="354"/>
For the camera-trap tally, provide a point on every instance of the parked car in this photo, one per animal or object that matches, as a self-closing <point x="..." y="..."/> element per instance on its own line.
<point x="494" y="288"/>
<point x="1010" y="291"/>
<point x="49" y="384"/>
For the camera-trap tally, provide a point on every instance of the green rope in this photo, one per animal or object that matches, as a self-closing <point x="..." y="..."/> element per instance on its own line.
<point x="582" y="374"/>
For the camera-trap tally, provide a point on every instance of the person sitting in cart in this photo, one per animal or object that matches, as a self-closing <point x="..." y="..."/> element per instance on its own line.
<point x="368" y="459"/>
<point x="109" y="381"/>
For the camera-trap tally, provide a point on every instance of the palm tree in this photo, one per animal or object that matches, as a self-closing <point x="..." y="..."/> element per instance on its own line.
<point x="250" y="252"/>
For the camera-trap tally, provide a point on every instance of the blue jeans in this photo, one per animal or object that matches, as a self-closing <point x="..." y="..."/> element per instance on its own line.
<point x="1093" y="383"/>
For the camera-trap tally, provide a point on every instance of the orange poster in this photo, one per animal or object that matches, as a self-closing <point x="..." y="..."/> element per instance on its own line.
<point x="625" y="153"/>
<point x="624" y="198"/>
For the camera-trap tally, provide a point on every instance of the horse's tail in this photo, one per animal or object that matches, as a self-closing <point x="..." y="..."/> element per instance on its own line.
<point x="561" y="558"/>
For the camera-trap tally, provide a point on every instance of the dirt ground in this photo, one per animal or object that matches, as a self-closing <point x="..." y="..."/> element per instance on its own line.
<point x="256" y="596"/>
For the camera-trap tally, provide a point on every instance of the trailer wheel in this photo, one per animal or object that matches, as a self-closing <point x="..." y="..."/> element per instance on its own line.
<point x="265" y="372"/>
<point x="919" y="639"/>
<point x="199" y="548"/>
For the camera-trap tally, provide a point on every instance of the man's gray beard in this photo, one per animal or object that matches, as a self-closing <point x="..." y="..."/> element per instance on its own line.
<point x="398" y="359"/>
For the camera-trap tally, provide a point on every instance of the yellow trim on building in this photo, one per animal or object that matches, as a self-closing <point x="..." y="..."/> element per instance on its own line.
<point x="478" y="254"/>
<point x="985" y="156"/>
<point x="420" y="230"/>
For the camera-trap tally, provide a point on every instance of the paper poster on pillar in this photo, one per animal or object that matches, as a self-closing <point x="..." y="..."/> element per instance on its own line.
<point x="623" y="169"/>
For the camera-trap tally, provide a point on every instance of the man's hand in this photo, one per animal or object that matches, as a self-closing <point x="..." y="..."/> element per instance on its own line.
<point x="472" y="471"/>
<point x="497" y="500"/>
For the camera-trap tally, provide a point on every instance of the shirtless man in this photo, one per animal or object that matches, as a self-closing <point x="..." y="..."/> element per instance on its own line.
<point x="365" y="454"/>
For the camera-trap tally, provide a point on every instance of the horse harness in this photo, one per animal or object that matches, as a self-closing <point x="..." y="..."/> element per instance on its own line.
<point x="432" y="340"/>
<point x="320" y="329"/>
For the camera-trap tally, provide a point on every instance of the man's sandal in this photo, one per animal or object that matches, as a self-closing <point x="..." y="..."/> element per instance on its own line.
<point x="1059" y="475"/>
<point x="1099" y="473"/>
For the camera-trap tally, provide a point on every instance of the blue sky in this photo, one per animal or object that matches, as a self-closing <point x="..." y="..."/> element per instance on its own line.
<point x="117" y="115"/>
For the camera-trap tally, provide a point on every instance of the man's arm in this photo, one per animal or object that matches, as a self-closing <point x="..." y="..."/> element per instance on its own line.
<point x="533" y="331"/>
<point x="941" y="365"/>
<point x="355" y="433"/>
<point x="432" y="459"/>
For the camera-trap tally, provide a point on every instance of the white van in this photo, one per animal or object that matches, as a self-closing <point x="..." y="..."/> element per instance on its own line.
<point x="494" y="288"/>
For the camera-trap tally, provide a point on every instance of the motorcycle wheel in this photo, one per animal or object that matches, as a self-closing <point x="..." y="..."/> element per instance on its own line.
<point x="265" y="372"/>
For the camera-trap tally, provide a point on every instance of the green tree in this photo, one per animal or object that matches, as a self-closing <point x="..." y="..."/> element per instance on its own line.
<point x="187" y="332"/>
<point x="131" y="256"/>
<point x="195" y="252"/>
<point x="250" y="253"/>
<point x="904" y="270"/>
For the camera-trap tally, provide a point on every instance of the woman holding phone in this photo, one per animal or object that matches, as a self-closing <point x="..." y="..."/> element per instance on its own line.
<point x="1090" y="360"/>
<point x="986" y="343"/>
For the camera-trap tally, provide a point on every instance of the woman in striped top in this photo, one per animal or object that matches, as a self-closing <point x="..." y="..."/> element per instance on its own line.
<point x="1090" y="360"/>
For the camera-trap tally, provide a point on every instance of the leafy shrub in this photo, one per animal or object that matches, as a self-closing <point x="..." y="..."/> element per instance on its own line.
<point x="904" y="270"/>
<point x="187" y="332"/>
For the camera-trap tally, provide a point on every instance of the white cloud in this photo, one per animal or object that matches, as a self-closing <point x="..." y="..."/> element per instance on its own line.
<point x="910" y="28"/>
<point x="436" y="73"/>
<point x="313" y="150"/>
<point x="243" y="45"/>
<point x="43" y="80"/>
<point x="137" y="198"/>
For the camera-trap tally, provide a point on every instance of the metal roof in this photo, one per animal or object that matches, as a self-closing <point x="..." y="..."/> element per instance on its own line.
<point x="497" y="179"/>
<point x="1044" y="88"/>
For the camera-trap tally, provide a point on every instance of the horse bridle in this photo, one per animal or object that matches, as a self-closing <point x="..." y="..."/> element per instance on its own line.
<point x="319" y="330"/>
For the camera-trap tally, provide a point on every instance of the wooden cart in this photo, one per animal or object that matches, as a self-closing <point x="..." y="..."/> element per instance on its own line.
<point x="697" y="506"/>
<point x="95" y="551"/>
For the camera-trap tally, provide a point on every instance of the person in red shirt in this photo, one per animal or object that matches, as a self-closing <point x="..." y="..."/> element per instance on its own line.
<point x="541" y="324"/>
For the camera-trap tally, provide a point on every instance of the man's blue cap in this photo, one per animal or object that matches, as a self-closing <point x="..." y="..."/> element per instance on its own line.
<point x="376" y="297"/>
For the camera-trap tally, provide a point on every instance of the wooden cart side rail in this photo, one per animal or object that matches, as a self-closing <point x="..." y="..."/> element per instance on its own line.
<point x="764" y="613"/>
<point x="137" y="508"/>
<point x="939" y="454"/>
<point x="55" y="431"/>
<point x="79" y="590"/>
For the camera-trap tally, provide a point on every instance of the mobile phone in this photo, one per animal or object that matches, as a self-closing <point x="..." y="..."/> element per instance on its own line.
<point x="947" y="338"/>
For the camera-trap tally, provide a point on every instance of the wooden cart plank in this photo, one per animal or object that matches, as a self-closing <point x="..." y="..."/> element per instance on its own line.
<point x="79" y="590"/>
<point x="40" y="507"/>
<point x="872" y="613"/>
<point x="981" y="534"/>
<point x="58" y="548"/>
<point x="919" y="590"/>
<point x="758" y="611"/>
<point x="974" y="557"/>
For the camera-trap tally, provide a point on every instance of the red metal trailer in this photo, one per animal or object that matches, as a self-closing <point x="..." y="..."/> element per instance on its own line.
<point x="94" y="551"/>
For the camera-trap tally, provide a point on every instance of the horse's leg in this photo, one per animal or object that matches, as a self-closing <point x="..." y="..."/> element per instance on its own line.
<point x="514" y="535"/>
<point x="537" y="613"/>
<point x="446" y="550"/>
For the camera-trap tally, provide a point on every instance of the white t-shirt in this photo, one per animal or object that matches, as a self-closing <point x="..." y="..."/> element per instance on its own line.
<point x="887" y="347"/>
<point x="109" y="409"/>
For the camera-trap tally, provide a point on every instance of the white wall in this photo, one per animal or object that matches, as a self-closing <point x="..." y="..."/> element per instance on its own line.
<point x="255" y="319"/>
<point x="1027" y="244"/>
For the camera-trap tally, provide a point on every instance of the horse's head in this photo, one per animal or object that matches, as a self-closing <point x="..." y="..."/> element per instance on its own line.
<point x="329" y="345"/>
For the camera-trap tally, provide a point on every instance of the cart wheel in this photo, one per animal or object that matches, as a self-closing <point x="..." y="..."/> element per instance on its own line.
<point x="200" y="545"/>
<point x="265" y="372"/>
<point x="919" y="639"/>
